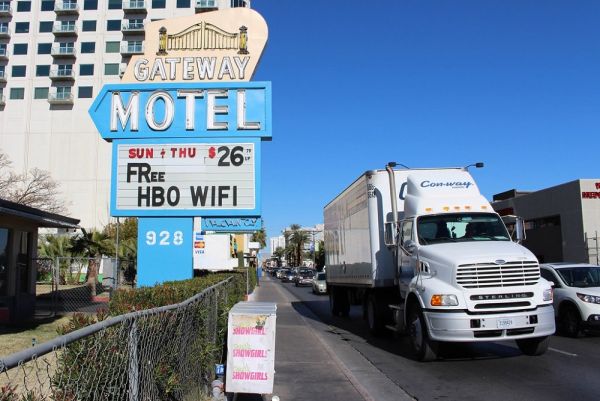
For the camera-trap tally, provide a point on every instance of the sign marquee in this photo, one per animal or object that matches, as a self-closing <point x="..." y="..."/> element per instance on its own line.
<point x="193" y="178"/>
<point x="186" y="127"/>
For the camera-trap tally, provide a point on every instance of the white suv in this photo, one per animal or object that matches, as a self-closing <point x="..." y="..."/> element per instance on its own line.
<point x="576" y="295"/>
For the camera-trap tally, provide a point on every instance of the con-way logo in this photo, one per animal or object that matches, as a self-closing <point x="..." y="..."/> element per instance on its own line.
<point x="446" y="184"/>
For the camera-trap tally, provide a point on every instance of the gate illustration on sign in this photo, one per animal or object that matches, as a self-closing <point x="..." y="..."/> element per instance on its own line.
<point x="203" y="36"/>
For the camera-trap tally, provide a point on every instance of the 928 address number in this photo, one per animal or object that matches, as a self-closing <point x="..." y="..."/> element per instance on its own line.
<point x="163" y="238"/>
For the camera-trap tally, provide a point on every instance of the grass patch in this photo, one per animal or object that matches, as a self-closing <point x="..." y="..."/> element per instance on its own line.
<point x="16" y="338"/>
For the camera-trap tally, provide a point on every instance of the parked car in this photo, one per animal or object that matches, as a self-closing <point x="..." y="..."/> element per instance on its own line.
<point x="304" y="277"/>
<point x="319" y="283"/>
<point x="576" y="296"/>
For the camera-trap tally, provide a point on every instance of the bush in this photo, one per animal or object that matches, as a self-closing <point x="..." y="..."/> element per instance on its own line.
<point x="176" y="350"/>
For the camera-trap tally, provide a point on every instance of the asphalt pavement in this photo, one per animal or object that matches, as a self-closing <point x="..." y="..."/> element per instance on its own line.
<point x="311" y="363"/>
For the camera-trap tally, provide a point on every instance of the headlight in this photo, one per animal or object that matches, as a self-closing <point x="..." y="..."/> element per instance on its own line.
<point x="548" y="294"/>
<point x="444" y="300"/>
<point x="589" y="298"/>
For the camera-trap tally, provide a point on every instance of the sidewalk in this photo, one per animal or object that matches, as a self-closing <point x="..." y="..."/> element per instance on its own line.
<point x="313" y="364"/>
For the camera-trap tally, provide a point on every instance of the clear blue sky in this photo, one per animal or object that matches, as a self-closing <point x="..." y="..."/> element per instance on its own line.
<point x="512" y="83"/>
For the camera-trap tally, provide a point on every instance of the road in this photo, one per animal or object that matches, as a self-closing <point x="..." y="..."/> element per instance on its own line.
<point x="485" y="371"/>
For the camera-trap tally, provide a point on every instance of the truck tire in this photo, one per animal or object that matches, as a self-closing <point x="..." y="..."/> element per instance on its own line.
<point x="569" y="321"/>
<point x="424" y="349"/>
<point x="332" y="303"/>
<point x="533" y="346"/>
<point x="374" y="314"/>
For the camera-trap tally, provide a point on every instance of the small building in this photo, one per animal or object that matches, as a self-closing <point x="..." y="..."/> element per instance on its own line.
<point x="562" y="222"/>
<point x="18" y="248"/>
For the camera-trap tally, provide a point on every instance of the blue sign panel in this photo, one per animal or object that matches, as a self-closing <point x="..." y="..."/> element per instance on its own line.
<point x="164" y="250"/>
<point x="231" y="224"/>
<point x="183" y="110"/>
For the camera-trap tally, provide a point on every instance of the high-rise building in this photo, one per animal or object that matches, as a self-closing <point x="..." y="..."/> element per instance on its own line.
<point x="55" y="56"/>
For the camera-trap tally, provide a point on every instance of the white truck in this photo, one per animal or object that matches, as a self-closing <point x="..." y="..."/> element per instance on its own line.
<point x="433" y="259"/>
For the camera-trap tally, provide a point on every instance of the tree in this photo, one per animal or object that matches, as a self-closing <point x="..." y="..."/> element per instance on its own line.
<point x="320" y="254"/>
<point x="296" y="238"/>
<point x="91" y="245"/>
<point x="35" y="188"/>
<point x="260" y="236"/>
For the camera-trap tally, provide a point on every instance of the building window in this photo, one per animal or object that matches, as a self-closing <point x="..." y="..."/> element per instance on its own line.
<point x="115" y="4"/>
<point x="88" y="26"/>
<point x="88" y="47"/>
<point x="47" y="5"/>
<point x="86" y="69"/>
<point x="40" y="93"/>
<point x="17" y="93"/>
<point x="90" y="4"/>
<point x="159" y="4"/>
<point x="42" y="70"/>
<point x="23" y="27"/>
<point x="238" y="3"/>
<point x="113" y="47"/>
<point x="113" y="25"/>
<point x="20" y="48"/>
<point x="85" y="92"/>
<point x="46" y="26"/>
<point x="19" y="71"/>
<point x="23" y="6"/>
<point x="183" y="3"/>
<point x="111" y="69"/>
<point x="44" y="48"/>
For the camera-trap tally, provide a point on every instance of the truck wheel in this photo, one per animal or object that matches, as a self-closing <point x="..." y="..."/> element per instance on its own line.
<point x="533" y="346"/>
<point x="374" y="314"/>
<point x="424" y="349"/>
<point x="569" y="322"/>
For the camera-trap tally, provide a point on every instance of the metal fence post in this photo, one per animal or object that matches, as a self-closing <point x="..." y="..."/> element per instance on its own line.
<point x="133" y="371"/>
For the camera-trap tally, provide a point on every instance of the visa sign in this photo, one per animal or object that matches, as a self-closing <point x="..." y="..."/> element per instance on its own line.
<point x="183" y="110"/>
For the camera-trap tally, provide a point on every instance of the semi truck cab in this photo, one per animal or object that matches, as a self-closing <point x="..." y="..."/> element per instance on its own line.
<point x="460" y="275"/>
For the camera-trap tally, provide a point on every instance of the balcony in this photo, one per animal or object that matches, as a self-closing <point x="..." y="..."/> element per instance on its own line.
<point x="60" y="98"/>
<point x="130" y="48"/>
<point x="62" y="52"/>
<point x="5" y="10"/>
<point x="66" y="8"/>
<point x="3" y="53"/>
<point x="2" y="76"/>
<point x="4" y="32"/>
<point x="206" y="5"/>
<point x="132" y="27"/>
<point x="62" y="75"/>
<point x="134" y="6"/>
<point x="2" y="100"/>
<point x="59" y="29"/>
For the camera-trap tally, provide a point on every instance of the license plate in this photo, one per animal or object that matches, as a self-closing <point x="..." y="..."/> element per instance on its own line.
<point x="504" y="323"/>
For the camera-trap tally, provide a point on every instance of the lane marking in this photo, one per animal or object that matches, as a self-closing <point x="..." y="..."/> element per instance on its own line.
<point x="561" y="352"/>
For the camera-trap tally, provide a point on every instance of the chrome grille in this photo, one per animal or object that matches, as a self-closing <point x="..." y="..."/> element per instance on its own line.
<point x="510" y="274"/>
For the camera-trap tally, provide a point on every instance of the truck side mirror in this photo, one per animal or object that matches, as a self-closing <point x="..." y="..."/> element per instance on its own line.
<point x="520" y="229"/>
<point x="390" y="234"/>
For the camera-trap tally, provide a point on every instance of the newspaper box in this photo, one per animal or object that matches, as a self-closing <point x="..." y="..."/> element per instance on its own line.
<point x="251" y="348"/>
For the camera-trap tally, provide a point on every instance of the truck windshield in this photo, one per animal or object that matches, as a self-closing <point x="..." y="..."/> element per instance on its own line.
<point x="458" y="227"/>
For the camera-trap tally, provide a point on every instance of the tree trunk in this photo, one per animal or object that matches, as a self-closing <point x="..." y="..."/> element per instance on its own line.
<point x="92" y="277"/>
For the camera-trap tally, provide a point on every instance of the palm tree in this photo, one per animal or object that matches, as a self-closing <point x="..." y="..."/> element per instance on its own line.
<point x="90" y="245"/>
<point x="57" y="248"/>
<point x="279" y="253"/>
<point x="296" y="238"/>
<point x="260" y="236"/>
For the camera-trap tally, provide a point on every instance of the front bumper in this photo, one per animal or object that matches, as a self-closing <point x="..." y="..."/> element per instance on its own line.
<point x="462" y="327"/>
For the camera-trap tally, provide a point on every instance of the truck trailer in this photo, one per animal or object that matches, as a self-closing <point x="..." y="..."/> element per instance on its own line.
<point x="425" y="254"/>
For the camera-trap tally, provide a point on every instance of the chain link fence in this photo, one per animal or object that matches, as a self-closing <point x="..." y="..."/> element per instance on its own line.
<point x="164" y="353"/>
<point x="63" y="284"/>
